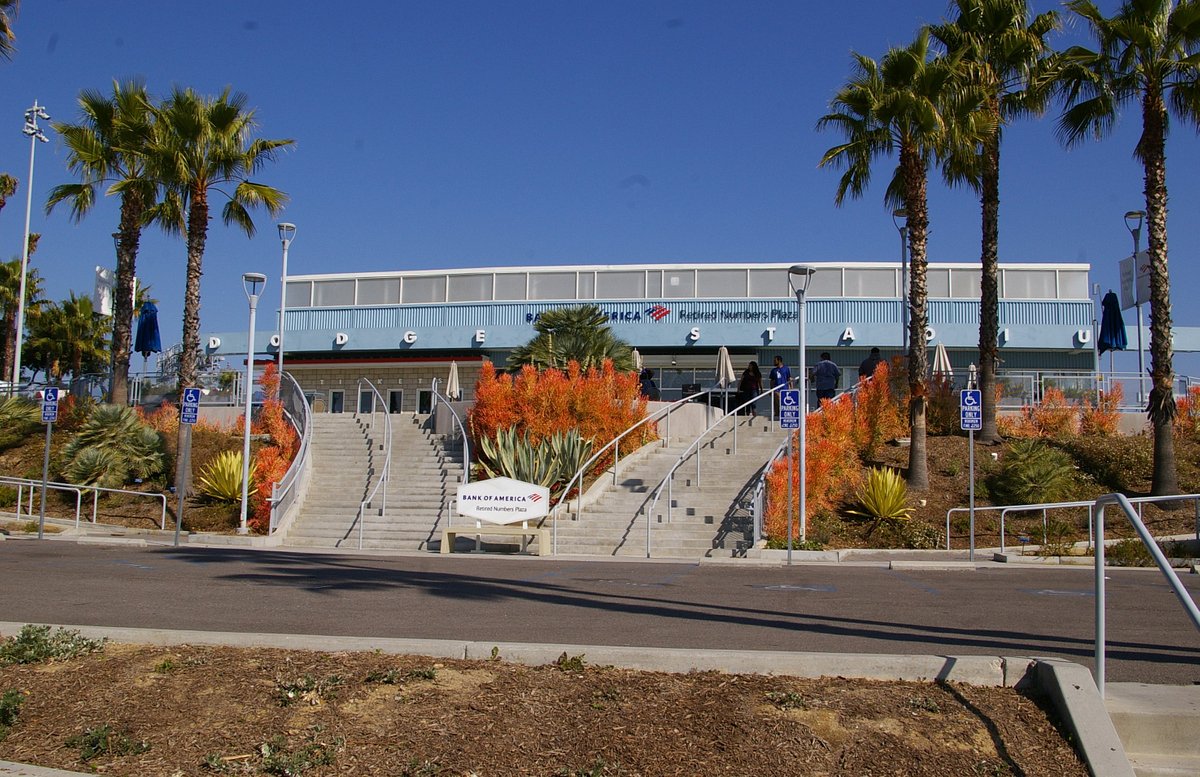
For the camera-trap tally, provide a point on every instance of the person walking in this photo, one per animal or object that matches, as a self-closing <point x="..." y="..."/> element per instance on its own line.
<point x="750" y="387"/>
<point x="781" y="378"/>
<point x="869" y="364"/>
<point x="825" y="376"/>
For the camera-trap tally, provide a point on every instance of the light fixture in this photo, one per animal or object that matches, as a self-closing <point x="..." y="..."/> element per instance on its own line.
<point x="900" y="219"/>
<point x="252" y="284"/>
<point x="1133" y="222"/>
<point x="800" y="277"/>
<point x="287" y="231"/>
<point x="34" y="133"/>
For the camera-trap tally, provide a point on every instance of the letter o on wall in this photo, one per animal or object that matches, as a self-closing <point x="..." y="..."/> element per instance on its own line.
<point x="275" y="340"/>
<point x="930" y="333"/>
<point x="214" y="343"/>
<point x="410" y="337"/>
<point x="341" y="338"/>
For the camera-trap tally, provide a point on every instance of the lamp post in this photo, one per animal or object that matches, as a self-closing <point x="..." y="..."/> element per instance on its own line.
<point x="800" y="276"/>
<point x="900" y="219"/>
<point x="35" y="134"/>
<point x="252" y="283"/>
<point x="286" y="233"/>
<point x="1133" y="222"/>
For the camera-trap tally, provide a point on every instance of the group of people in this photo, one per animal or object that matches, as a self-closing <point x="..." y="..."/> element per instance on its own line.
<point x="824" y="376"/>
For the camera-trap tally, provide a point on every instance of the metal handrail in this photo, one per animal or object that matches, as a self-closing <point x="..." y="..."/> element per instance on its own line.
<point x="662" y="412"/>
<point x="1121" y="501"/>
<point x="461" y="429"/>
<point x="1004" y="510"/>
<point x="669" y="479"/>
<point x="35" y="485"/>
<point x="377" y="401"/>
<point x="303" y="425"/>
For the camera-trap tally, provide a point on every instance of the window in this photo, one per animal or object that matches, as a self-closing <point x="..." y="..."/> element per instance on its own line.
<point x="621" y="285"/>
<point x="769" y="283"/>
<point x="424" y="289"/>
<point x="654" y="284"/>
<point x="470" y="288"/>
<point x="333" y="294"/>
<point x="824" y="283"/>
<point x="937" y="283"/>
<point x="1029" y="284"/>
<point x="721" y="283"/>
<point x="964" y="284"/>
<point x="552" y="285"/>
<point x="870" y="283"/>
<point x="510" y="286"/>
<point x="587" y="285"/>
<point x="379" y="291"/>
<point x="679" y="284"/>
<point x="1072" y="284"/>
<point x="299" y="294"/>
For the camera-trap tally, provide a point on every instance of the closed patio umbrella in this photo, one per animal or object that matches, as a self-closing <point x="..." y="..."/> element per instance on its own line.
<point x="637" y="360"/>
<point x="941" y="363"/>
<point x="726" y="377"/>
<point x="147" y="339"/>
<point x="1112" y="325"/>
<point x="453" y="390"/>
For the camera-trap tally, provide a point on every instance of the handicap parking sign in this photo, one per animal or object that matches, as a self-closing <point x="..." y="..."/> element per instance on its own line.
<point x="970" y="405"/>
<point x="49" y="405"/>
<point x="789" y="409"/>
<point x="189" y="411"/>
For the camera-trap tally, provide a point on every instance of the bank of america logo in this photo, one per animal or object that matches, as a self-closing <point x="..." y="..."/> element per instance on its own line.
<point x="535" y="497"/>
<point x="658" y="312"/>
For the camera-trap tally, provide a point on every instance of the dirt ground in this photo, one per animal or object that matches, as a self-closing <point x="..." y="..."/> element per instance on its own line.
<point x="205" y="710"/>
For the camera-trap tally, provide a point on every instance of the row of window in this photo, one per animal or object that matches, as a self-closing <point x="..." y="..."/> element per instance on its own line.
<point x="830" y="282"/>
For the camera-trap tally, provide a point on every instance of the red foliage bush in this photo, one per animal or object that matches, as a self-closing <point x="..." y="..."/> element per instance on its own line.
<point x="877" y="416"/>
<point x="1102" y="418"/>
<point x="1053" y="418"/>
<point x="599" y="403"/>
<point x="271" y="462"/>
<point x="1187" y="412"/>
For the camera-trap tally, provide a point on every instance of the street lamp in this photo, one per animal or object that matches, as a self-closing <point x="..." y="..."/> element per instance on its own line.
<point x="900" y="219"/>
<point x="800" y="276"/>
<point x="253" y="283"/>
<point x="35" y="134"/>
<point x="1133" y="222"/>
<point x="286" y="233"/>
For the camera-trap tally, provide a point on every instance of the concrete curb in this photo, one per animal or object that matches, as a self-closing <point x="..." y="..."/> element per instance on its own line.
<point x="1069" y="685"/>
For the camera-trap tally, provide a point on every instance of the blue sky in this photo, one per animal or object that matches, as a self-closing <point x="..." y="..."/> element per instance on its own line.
<point x="462" y="134"/>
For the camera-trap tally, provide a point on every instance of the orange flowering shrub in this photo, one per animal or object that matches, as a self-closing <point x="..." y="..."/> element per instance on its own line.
<point x="599" y="403"/>
<point x="271" y="461"/>
<point x="1187" y="412"/>
<point x="270" y="465"/>
<point x="941" y="406"/>
<point x="1054" y="417"/>
<point x="1102" y="419"/>
<point x="832" y="470"/>
<point x="877" y="417"/>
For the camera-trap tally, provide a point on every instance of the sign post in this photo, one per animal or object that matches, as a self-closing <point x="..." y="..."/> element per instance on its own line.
<point x="189" y="413"/>
<point x="970" y="406"/>
<point x="789" y="418"/>
<point x="49" y="416"/>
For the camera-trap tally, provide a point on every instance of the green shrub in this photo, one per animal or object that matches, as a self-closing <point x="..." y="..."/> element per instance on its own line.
<point x="104" y="740"/>
<point x="1117" y="462"/>
<point x="884" y="498"/>
<point x="8" y="496"/>
<point x="113" y="446"/>
<point x="1032" y="472"/>
<point x="19" y="418"/>
<point x="35" y="644"/>
<point x="221" y="481"/>
<point x="550" y="463"/>
<point x="10" y="710"/>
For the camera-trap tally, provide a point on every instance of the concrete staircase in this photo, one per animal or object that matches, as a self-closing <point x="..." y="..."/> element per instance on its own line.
<point x="348" y="459"/>
<point x="1158" y="726"/>
<point x="706" y="519"/>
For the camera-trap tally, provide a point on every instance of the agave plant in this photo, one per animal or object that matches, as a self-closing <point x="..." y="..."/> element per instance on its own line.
<point x="884" y="498"/>
<point x="221" y="481"/>
<point x="549" y="463"/>
<point x="133" y="449"/>
<point x="18" y="417"/>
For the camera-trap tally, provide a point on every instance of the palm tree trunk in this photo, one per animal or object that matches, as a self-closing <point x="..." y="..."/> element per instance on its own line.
<point x="122" y="338"/>
<point x="8" y="344"/>
<point x="989" y="299"/>
<point x="1152" y="151"/>
<point x="912" y="169"/>
<point x="197" y="234"/>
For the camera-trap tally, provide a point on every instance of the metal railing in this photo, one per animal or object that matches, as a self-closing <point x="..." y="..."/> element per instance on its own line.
<point x="1161" y="560"/>
<point x="1045" y="507"/>
<point x="286" y="493"/>
<point x="615" y="444"/>
<point x="36" y="485"/>
<point x="462" y="430"/>
<point x="1026" y="388"/>
<point x="668" y="480"/>
<point x="376" y="402"/>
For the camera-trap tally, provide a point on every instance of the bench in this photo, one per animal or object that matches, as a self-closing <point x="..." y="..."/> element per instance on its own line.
<point x="523" y="531"/>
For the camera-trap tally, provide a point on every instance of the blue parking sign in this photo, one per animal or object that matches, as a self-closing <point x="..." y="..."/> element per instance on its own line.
<point x="970" y="405"/>
<point x="49" y="405"/>
<point x="789" y="409"/>
<point x="189" y="410"/>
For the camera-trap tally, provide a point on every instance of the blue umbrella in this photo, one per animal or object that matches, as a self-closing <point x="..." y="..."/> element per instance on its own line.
<point x="147" y="340"/>
<point x="1112" y="325"/>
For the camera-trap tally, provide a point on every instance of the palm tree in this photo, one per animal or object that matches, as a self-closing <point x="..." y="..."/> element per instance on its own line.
<point x="200" y="145"/>
<point x="1005" y="54"/>
<point x="1148" y="52"/>
<point x="8" y="187"/>
<point x="107" y="148"/>
<point x="8" y="11"/>
<point x="579" y="333"/>
<point x="68" y="338"/>
<point x="10" y="290"/>
<point x="909" y="103"/>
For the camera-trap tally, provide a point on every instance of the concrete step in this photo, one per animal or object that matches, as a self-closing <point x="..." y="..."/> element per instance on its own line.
<point x="1158" y="725"/>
